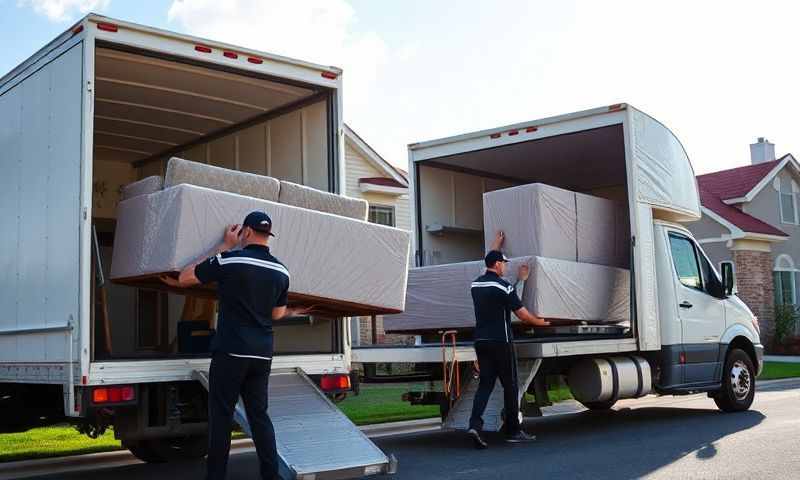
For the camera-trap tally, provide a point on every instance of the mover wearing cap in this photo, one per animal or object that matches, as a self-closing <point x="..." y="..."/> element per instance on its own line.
<point x="494" y="299"/>
<point x="252" y="286"/>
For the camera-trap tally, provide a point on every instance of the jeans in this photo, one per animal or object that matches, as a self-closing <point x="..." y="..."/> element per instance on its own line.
<point x="496" y="360"/>
<point x="229" y="378"/>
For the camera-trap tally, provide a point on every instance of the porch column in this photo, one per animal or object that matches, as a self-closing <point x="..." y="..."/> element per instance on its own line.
<point x="753" y="264"/>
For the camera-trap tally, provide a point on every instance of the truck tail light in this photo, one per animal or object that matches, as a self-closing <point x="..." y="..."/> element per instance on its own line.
<point x="116" y="394"/>
<point x="335" y="382"/>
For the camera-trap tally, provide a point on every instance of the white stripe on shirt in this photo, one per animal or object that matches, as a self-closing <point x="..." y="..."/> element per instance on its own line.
<point x="249" y="356"/>
<point x="256" y="262"/>
<point x="506" y="289"/>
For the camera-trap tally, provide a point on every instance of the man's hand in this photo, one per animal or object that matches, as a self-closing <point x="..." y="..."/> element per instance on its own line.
<point x="231" y="238"/>
<point x="300" y="312"/>
<point x="523" y="273"/>
<point x="499" y="238"/>
<point x="171" y="281"/>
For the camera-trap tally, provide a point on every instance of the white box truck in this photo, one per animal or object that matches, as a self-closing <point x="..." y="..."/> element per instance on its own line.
<point x="103" y="105"/>
<point x="688" y="331"/>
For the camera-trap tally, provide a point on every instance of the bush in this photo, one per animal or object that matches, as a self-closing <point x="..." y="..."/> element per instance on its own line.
<point x="786" y="317"/>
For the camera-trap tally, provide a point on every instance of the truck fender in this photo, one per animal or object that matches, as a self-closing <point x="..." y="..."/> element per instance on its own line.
<point x="737" y="330"/>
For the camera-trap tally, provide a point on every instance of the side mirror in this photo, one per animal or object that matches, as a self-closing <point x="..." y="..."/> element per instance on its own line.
<point x="728" y="279"/>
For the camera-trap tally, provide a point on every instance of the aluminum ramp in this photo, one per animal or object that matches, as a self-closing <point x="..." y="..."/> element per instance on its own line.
<point x="458" y="417"/>
<point x="316" y="441"/>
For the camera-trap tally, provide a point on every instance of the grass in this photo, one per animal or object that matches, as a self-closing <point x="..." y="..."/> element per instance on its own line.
<point x="55" y="441"/>
<point x="775" y="370"/>
<point x="376" y="404"/>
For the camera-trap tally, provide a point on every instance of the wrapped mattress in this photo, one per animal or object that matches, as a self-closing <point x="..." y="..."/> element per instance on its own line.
<point x="180" y="171"/>
<point x="551" y="222"/>
<point x="438" y="297"/>
<point x="144" y="186"/>
<point x="311" y="198"/>
<point x="345" y="266"/>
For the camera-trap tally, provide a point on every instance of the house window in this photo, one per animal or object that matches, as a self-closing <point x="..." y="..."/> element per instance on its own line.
<point x="788" y="205"/>
<point x="784" y="288"/>
<point x="381" y="215"/>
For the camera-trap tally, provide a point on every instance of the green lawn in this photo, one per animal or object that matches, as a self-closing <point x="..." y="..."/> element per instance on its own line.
<point x="775" y="370"/>
<point x="53" y="441"/>
<point x="376" y="404"/>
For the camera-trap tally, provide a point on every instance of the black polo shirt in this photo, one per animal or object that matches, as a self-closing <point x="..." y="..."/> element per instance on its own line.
<point x="250" y="283"/>
<point x="494" y="300"/>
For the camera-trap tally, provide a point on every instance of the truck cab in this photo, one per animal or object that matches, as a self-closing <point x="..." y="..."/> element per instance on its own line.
<point x="702" y="320"/>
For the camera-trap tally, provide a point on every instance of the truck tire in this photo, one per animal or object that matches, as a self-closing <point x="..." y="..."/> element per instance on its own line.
<point x="162" y="450"/>
<point x="600" y="406"/>
<point x="738" y="383"/>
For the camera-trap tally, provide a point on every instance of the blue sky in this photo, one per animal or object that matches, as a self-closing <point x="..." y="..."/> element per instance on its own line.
<point x="718" y="73"/>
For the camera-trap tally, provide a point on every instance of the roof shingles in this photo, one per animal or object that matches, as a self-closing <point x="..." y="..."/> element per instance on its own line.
<point x="736" y="183"/>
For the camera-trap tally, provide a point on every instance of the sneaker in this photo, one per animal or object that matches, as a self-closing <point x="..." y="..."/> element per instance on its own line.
<point x="480" y="444"/>
<point x="521" y="437"/>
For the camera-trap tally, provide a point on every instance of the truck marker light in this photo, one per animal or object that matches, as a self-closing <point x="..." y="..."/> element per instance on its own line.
<point x="202" y="48"/>
<point x="494" y="135"/>
<point x="107" y="27"/>
<point x="682" y="357"/>
<point x="255" y="60"/>
<point x="233" y="55"/>
<point x="513" y="132"/>
<point x="329" y="75"/>
<point x="531" y="129"/>
<point x="84" y="380"/>
<point x="615" y="107"/>
<point x="78" y="29"/>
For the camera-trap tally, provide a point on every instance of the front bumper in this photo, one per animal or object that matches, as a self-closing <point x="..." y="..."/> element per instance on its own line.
<point x="759" y="358"/>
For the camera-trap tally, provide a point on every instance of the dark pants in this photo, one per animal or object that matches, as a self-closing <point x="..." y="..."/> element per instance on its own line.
<point x="230" y="377"/>
<point x="496" y="360"/>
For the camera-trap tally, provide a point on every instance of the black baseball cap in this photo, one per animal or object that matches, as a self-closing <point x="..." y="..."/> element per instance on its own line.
<point x="259" y="221"/>
<point x="495" y="256"/>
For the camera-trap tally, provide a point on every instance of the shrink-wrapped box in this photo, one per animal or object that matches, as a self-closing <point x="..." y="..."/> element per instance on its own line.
<point x="342" y="265"/>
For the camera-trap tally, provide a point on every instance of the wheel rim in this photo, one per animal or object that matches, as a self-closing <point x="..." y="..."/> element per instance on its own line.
<point x="740" y="380"/>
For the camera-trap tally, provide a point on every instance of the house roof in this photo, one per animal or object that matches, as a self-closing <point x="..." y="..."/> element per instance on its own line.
<point x="382" y="181"/>
<point x="399" y="175"/>
<point x="737" y="182"/>
<point x="734" y="216"/>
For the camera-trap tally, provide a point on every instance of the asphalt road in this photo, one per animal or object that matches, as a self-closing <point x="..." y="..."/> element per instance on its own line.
<point x="671" y="437"/>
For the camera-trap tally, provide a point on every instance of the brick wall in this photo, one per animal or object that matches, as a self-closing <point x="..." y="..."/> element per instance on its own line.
<point x="754" y="280"/>
<point x="365" y="333"/>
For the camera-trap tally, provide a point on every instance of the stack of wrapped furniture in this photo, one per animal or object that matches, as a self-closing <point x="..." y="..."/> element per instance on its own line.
<point x="573" y="243"/>
<point x="338" y="261"/>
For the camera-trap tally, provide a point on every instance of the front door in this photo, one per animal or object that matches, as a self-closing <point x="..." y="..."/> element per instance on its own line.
<point x="701" y="314"/>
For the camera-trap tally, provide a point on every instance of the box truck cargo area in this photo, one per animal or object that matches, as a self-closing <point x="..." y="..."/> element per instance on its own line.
<point x="149" y="107"/>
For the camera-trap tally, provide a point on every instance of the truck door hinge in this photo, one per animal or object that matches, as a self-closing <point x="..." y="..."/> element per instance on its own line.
<point x="633" y="241"/>
<point x="85" y="213"/>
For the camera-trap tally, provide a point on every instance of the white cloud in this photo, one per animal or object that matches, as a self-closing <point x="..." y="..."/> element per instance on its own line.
<point x="320" y="31"/>
<point x="62" y="10"/>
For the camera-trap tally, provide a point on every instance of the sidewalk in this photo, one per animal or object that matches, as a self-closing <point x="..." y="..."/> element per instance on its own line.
<point x="782" y="358"/>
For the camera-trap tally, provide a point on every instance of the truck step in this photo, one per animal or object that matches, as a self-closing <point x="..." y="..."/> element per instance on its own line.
<point x="315" y="439"/>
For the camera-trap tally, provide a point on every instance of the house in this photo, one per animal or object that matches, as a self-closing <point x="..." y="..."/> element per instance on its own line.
<point x="751" y="218"/>
<point x="385" y="187"/>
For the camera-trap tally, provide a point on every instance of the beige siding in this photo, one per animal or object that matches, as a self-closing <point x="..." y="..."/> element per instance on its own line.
<point x="359" y="167"/>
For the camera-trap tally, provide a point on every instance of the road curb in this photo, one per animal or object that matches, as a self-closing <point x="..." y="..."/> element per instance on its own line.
<point x="118" y="458"/>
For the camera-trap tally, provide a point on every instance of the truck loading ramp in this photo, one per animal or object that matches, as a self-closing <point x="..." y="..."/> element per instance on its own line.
<point x="316" y="441"/>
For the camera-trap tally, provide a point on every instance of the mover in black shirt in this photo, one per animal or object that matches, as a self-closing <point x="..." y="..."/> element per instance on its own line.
<point x="494" y="299"/>
<point x="253" y="287"/>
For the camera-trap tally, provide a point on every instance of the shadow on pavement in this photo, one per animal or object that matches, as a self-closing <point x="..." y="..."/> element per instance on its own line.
<point x="627" y="443"/>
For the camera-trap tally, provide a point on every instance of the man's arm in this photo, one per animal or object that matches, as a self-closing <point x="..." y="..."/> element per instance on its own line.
<point x="281" y="312"/>
<point x="187" y="277"/>
<point x="499" y="238"/>
<point x="529" y="318"/>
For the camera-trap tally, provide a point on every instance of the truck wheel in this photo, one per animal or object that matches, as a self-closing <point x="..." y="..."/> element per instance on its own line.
<point x="600" y="406"/>
<point x="161" y="450"/>
<point x="738" y="383"/>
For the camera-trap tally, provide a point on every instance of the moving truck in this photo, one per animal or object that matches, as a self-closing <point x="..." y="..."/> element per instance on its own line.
<point x="688" y="332"/>
<point x="101" y="106"/>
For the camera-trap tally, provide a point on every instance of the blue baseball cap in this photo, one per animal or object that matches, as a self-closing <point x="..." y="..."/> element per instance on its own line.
<point x="259" y="221"/>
